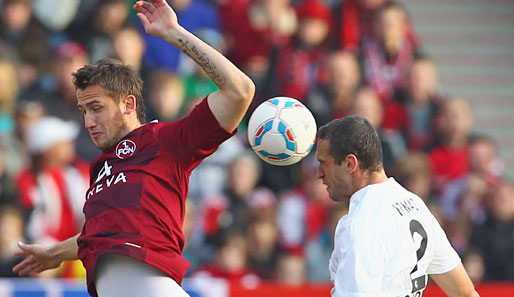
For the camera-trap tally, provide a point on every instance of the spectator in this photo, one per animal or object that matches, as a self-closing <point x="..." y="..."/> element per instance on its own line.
<point x="231" y="261"/>
<point x="53" y="187"/>
<point x="495" y="237"/>
<point x="298" y="64"/>
<point x="27" y="36"/>
<point x="253" y="28"/>
<point x="302" y="211"/>
<point x="422" y="103"/>
<point x="263" y="247"/>
<point x="9" y="89"/>
<point x="125" y="38"/>
<point x="291" y="270"/>
<point x="230" y="211"/>
<point x="449" y="160"/>
<point x="388" y="54"/>
<point x="412" y="171"/>
<point x="8" y="192"/>
<point x="368" y="105"/>
<point x="165" y="96"/>
<point x="334" y="98"/>
<point x="319" y="249"/>
<point x="464" y="200"/>
<point x="58" y="97"/>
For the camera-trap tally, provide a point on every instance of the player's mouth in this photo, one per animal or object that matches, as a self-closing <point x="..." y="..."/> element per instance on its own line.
<point x="95" y="134"/>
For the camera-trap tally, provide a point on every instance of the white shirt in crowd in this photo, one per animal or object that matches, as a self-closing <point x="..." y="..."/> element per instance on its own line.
<point x="387" y="244"/>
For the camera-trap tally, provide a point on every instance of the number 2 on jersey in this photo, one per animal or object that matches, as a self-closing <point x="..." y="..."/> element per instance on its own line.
<point x="419" y="235"/>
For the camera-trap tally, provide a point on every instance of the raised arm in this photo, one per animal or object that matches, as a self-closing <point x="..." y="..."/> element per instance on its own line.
<point x="236" y="90"/>
<point x="455" y="283"/>
<point x="41" y="257"/>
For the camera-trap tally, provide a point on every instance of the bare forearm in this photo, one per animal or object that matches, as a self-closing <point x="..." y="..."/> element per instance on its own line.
<point x="67" y="249"/>
<point x="219" y="69"/>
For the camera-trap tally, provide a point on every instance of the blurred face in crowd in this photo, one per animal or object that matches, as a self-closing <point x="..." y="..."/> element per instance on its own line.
<point x="371" y="4"/>
<point x="392" y="29"/>
<point x="455" y="118"/>
<point x="344" y="71"/>
<point x="503" y="203"/>
<point x="482" y="154"/>
<point x="129" y="38"/>
<point x="313" y="31"/>
<point x="16" y="15"/>
<point x="368" y="106"/>
<point x="232" y="255"/>
<point x="63" y="67"/>
<point x="166" y="95"/>
<point x="60" y="154"/>
<point x="243" y="175"/>
<point x="111" y="16"/>
<point x="422" y="80"/>
<point x="103" y="116"/>
<point x="291" y="270"/>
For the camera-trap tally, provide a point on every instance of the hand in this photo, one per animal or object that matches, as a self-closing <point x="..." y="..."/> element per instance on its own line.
<point x="157" y="17"/>
<point x="40" y="258"/>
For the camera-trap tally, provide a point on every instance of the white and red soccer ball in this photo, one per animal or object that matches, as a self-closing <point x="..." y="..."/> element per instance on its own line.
<point x="282" y="131"/>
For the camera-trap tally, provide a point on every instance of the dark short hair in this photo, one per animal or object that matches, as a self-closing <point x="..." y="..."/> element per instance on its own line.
<point x="353" y="135"/>
<point x="117" y="78"/>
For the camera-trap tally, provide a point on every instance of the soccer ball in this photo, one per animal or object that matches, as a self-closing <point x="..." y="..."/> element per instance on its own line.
<point x="282" y="131"/>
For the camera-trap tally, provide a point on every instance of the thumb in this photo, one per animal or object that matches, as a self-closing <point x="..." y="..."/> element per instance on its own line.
<point x="25" y="247"/>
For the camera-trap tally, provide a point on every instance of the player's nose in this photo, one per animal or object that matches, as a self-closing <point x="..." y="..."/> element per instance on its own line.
<point x="89" y="121"/>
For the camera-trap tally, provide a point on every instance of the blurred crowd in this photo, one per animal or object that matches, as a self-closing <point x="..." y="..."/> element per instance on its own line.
<point x="246" y="220"/>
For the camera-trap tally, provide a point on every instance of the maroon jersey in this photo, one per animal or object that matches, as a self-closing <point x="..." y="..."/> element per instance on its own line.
<point x="135" y="204"/>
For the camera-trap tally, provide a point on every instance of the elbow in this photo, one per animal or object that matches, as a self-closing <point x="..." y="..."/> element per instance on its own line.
<point x="247" y="89"/>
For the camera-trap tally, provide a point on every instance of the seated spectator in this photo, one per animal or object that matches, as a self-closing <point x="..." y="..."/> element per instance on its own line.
<point x="388" y="54"/>
<point x="494" y="238"/>
<point x="130" y="37"/>
<point x="333" y="99"/>
<point x="449" y="159"/>
<point x="9" y="91"/>
<point x="422" y="103"/>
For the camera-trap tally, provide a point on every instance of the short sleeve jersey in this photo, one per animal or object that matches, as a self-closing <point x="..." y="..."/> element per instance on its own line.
<point x="135" y="204"/>
<point x="387" y="244"/>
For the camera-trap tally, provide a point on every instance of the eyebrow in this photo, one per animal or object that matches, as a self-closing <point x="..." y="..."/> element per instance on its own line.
<point x="88" y="104"/>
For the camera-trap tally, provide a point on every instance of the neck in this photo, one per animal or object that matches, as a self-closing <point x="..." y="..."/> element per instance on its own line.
<point x="366" y="178"/>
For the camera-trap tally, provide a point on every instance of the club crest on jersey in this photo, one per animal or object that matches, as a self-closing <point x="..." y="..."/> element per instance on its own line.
<point x="125" y="149"/>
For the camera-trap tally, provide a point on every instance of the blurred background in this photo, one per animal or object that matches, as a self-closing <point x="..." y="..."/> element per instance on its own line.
<point x="435" y="78"/>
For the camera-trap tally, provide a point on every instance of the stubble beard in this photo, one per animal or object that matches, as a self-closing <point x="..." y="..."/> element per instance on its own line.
<point x="118" y="129"/>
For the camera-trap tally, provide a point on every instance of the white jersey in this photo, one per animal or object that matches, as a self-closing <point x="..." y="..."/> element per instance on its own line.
<point x="387" y="244"/>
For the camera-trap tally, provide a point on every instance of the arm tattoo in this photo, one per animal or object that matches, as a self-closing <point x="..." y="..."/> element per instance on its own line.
<point x="204" y="62"/>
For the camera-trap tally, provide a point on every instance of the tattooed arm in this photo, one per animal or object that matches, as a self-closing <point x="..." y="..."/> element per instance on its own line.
<point x="236" y="90"/>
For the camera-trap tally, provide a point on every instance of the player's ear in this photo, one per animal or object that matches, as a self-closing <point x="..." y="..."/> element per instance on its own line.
<point x="130" y="104"/>
<point x="351" y="162"/>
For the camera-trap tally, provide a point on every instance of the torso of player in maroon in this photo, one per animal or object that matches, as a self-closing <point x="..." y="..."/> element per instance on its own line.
<point x="135" y="204"/>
